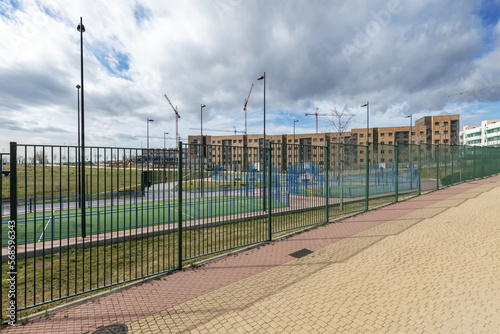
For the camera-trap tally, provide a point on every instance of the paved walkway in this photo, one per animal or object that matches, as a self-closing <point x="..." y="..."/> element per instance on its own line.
<point x="427" y="265"/>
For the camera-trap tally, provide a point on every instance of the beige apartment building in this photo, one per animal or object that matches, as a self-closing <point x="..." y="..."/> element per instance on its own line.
<point x="238" y="151"/>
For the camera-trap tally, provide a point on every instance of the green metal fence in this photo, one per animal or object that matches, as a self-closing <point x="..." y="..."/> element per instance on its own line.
<point x="143" y="212"/>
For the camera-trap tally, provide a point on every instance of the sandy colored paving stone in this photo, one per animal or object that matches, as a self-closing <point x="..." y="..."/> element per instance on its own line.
<point x="423" y="272"/>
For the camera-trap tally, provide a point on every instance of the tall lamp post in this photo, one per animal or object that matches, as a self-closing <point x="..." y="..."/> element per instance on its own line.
<point x="445" y="149"/>
<point x="201" y="146"/>
<point x="367" y="191"/>
<point x="148" y="121"/>
<point x="164" y="141"/>
<point x="411" y="155"/>
<point x="78" y="147"/>
<point x="294" y="121"/>
<point x="367" y="105"/>
<point x="263" y="77"/>
<point x="81" y="29"/>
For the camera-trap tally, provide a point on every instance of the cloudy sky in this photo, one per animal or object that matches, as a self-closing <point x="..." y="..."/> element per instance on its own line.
<point x="404" y="57"/>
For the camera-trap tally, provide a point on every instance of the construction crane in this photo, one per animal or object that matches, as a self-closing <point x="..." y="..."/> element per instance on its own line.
<point x="235" y="132"/>
<point x="316" y="114"/>
<point x="245" y="108"/>
<point x="177" y="116"/>
<point x="490" y="84"/>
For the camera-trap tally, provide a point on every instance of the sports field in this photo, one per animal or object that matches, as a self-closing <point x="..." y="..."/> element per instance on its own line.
<point x="60" y="224"/>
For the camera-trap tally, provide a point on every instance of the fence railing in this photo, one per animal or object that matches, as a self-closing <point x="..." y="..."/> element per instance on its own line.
<point x="151" y="211"/>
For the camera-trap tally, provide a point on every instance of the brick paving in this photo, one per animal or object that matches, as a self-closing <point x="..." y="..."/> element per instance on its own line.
<point x="426" y="265"/>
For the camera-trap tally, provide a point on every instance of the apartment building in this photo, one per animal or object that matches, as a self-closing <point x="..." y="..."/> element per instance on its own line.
<point x="486" y="134"/>
<point x="241" y="150"/>
<point x="441" y="129"/>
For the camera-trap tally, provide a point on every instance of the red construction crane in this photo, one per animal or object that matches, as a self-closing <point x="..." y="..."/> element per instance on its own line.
<point x="245" y="108"/>
<point x="177" y="116"/>
<point x="316" y="114"/>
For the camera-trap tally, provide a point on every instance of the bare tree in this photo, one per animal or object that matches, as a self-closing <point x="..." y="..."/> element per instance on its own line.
<point x="41" y="158"/>
<point x="340" y="119"/>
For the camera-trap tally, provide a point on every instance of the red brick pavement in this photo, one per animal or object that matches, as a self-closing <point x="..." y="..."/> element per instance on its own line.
<point x="148" y="298"/>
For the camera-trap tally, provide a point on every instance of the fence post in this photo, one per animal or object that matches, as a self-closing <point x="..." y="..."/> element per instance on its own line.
<point x="179" y="207"/>
<point x="367" y="167"/>
<point x="269" y="196"/>
<point x="437" y="166"/>
<point x="12" y="233"/>
<point x="396" y="170"/>
<point x="473" y="162"/>
<point x="419" y="170"/>
<point x="451" y="147"/>
<point x="327" y="169"/>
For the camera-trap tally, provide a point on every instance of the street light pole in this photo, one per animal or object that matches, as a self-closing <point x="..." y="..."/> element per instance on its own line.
<point x="148" y="120"/>
<point x="367" y="105"/>
<point x="201" y="147"/>
<point x="263" y="77"/>
<point x="81" y="29"/>
<point x="164" y="142"/>
<point x="294" y="121"/>
<point x="411" y="155"/>
<point x="201" y="128"/>
<point x="78" y="147"/>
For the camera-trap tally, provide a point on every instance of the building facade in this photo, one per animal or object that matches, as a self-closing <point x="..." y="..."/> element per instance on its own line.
<point x="244" y="150"/>
<point x="486" y="134"/>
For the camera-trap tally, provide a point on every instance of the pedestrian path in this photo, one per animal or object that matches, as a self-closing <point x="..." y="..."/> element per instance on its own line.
<point x="426" y="265"/>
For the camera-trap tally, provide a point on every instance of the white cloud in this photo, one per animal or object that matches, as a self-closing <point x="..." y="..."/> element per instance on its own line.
<point x="406" y="57"/>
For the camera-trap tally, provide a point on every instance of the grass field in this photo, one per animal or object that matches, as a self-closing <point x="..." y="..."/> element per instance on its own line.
<point x="60" y="224"/>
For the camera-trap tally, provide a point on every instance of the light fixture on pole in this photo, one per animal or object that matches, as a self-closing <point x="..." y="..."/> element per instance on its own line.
<point x="81" y="29"/>
<point x="264" y="158"/>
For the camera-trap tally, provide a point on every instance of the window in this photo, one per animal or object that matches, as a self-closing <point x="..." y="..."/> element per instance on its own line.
<point x="421" y="133"/>
<point x="321" y="139"/>
<point x="234" y="140"/>
<point x="436" y="141"/>
<point x="213" y="141"/>
<point x="390" y="143"/>
<point x="361" y="135"/>
<point x="382" y="134"/>
<point x="361" y="160"/>
<point x="390" y="134"/>
<point x="436" y="132"/>
<point x="436" y="123"/>
<point x="289" y="140"/>
<point x="218" y="142"/>
<point x="315" y="140"/>
<point x="240" y="141"/>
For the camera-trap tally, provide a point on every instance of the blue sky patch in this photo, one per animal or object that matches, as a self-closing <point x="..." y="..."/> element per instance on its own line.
<point x="141" y="14"/>
<point x="489" y="12"/>
<point x="7" y="8"/>
<point x="117" y="63"/>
